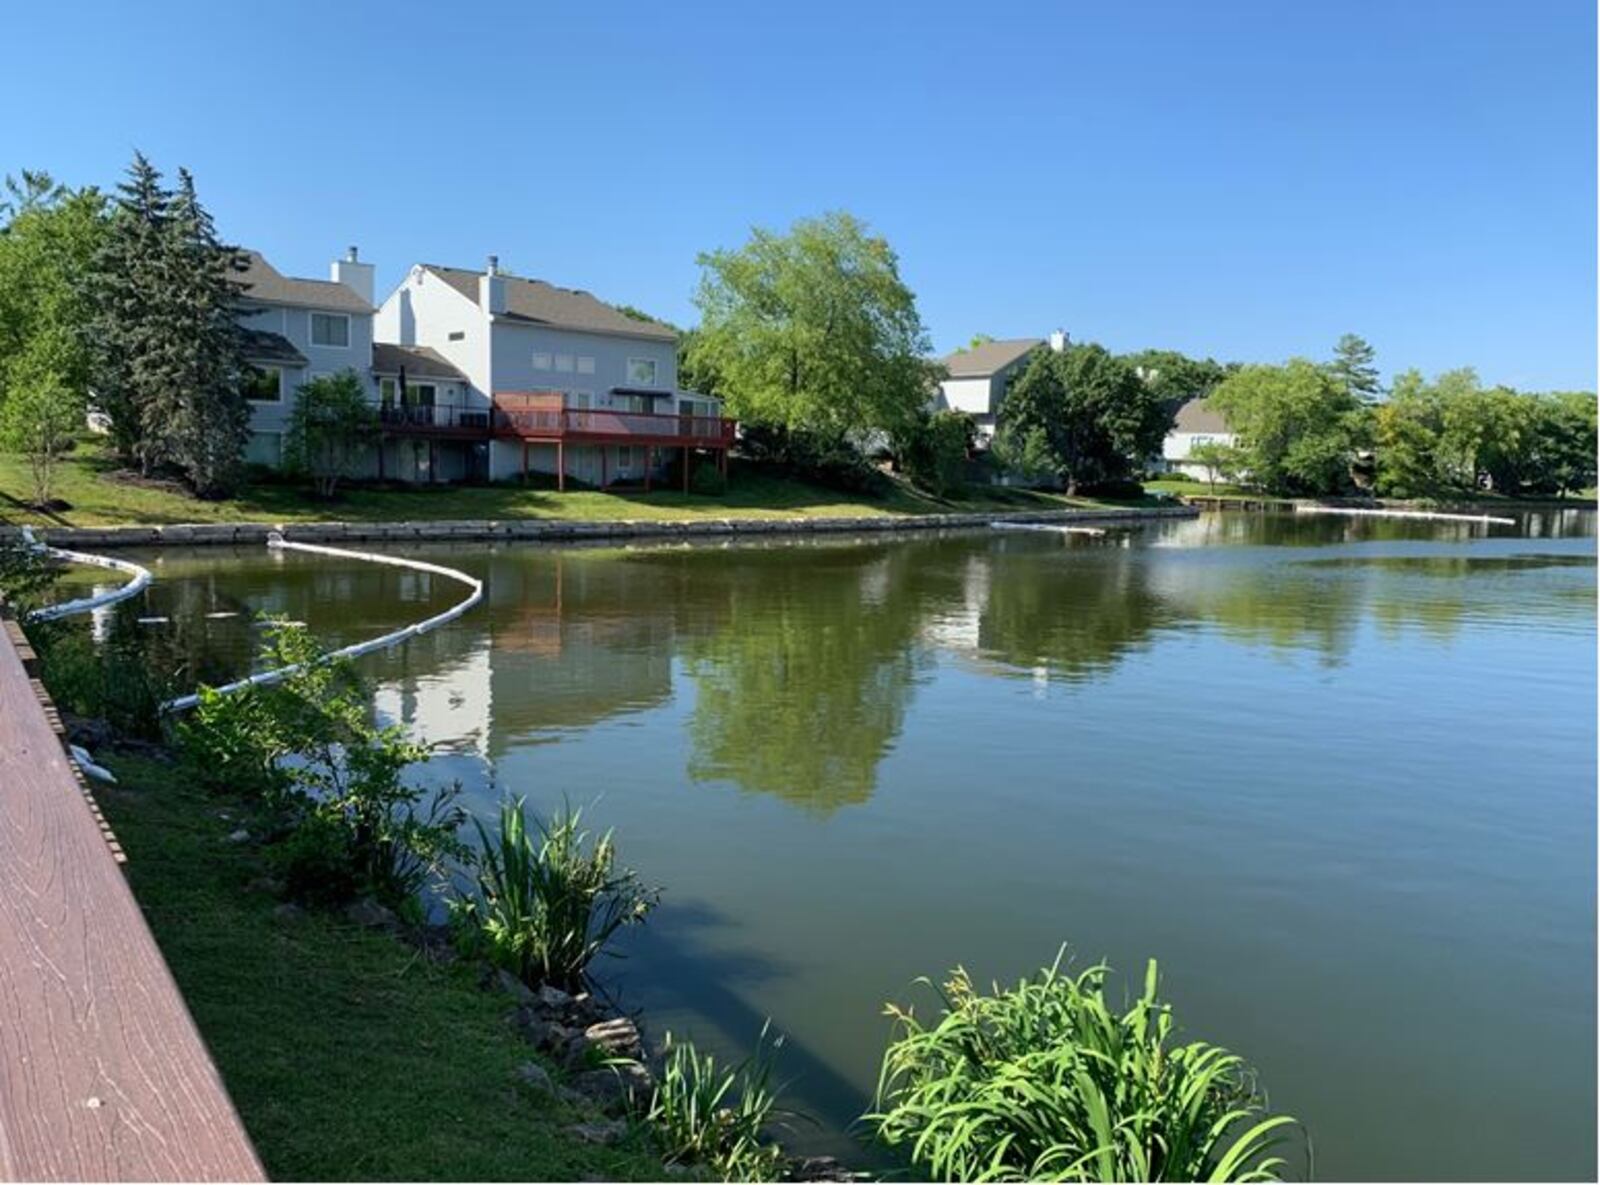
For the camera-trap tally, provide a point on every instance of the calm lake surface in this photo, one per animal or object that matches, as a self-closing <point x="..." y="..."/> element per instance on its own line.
<point x="1338" y="776"/>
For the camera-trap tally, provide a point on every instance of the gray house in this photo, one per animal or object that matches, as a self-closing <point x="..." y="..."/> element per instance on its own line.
<point x="552" y="380"/>
<point x="1196" y="423"/>
<point x="297" y="330"/>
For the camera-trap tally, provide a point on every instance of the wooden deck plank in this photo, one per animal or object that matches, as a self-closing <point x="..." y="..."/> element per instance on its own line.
<point x="103" y="1076"/>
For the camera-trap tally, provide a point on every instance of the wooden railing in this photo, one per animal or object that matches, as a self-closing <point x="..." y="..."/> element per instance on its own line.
<point x="103" y="1076"/>
<point x="540" y="415"/>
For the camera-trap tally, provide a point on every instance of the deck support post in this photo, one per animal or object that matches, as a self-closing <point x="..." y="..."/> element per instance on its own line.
<point x="603" y="451"/>
<point x="561" y="465"/>
<point x="722" y="462"/>
<point x="524" y="462"/>
<point x="648" y="450"/>
<point x="686" y="469"/>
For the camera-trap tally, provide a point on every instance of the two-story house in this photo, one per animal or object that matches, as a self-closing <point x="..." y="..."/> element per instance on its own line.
<point x="977" y="377"/>
<point x="555" y="381"/>
<point x="298" y="329"/>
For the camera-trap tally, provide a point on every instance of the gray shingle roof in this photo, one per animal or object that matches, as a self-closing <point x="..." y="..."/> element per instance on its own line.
<point x="267" y="283"/>
<point x="421" y="362"/>
<point x="989" y="357"/>
<point x="540" y="303"/>
<point x="1198" y="416"/>
<point x="262" y="346"/>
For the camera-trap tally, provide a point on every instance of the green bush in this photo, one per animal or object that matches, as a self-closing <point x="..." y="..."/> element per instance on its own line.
<point x="707" y="479"/>
<point x="547" y="901"/>
<point x="114" y="681"/>
<point x="935" y="451"/>
<point x="713" y="1117"/>
<point x="307" y="751"/>
<point x="1045" y="1082"/>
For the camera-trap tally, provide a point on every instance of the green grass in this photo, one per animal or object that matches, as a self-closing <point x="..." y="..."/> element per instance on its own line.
<point x="348" y="1054"/>
<point x="1187" y="488"/>
<point x="99" y="494"/>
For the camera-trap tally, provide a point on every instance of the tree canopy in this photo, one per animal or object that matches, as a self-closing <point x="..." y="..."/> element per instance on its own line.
<point x="1298" y="426"/>
<point x="1352" y="366"/>
<point x="812" y="331"/>
<point x="1082" y="415"/>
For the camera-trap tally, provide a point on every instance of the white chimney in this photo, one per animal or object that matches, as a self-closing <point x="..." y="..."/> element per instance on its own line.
<point x="353" y="274"/>
<point x="1059" y="340"/>
<point x="492" y="288"/>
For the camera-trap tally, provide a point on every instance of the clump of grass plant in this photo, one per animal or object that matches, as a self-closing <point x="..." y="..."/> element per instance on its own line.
<point x="714" y="1117"/>
<point x="1045" y="1082"/>
<point x="548" y="899"/>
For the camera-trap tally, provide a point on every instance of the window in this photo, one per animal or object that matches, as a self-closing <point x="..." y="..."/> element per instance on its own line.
<point x="580" y="400"/>
<point x="420" y="394"/>
<point x="458" y="335"/>
<point x="696" y="407"/>
<point x="263" y="384"/>
<point x="564" y="363"/>
<point x="386" y="392"/>
<point x="330" y="329"/>
<point x="541" y="361"/>
<point x="624" y="457"/>
<point x="585" y="364"/>
<point x="642" y="372"/>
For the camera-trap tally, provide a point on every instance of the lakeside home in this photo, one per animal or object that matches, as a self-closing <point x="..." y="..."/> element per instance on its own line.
<point x="554" y="381"/>
<point x="978" y="376"/>
<point x="478" y="376"/>
<point x="1196" y="423"/>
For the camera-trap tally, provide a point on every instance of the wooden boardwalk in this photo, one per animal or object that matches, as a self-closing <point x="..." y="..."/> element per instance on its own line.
<point x="103" y="1076"/>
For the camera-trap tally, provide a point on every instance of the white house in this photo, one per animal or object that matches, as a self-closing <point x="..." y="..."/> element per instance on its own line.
<point x="297" y="330"/>
<point x="1196" y="423"/>
<point x="978" y="377"/>
<point x="553" y="380"/>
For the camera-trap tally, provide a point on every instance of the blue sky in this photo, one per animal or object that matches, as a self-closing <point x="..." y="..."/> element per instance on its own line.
<point x="1246" y="180"/>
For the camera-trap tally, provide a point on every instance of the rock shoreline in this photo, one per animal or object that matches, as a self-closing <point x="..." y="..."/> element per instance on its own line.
<point x="564" y="530"/>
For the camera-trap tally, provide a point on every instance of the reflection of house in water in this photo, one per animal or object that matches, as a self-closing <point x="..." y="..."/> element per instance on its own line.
<point x="445" y="703"/>
<point x="578" y="636"/>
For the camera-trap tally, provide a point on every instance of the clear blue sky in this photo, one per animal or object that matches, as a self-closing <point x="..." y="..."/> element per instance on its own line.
<point x="1246" y="180"/>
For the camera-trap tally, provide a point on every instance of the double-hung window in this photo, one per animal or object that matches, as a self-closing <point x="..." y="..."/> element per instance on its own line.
<point x="331" y="330"/>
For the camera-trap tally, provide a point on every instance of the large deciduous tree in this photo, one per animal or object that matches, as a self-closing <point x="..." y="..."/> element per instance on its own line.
<point x="168" y="362"/>
<point x="1083" y="415"/>
<point x="813" y="331"/>
<point x="1298" y="426"/>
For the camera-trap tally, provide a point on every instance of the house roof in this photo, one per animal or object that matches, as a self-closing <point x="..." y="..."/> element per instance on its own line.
<point x="1199" y="416"/>
<point x="989" y="357"/>
<point x="261" y="346"/>
<point x="421" y="362"/>
<point x="539" y="303"/>
<point x="266" y="283"/>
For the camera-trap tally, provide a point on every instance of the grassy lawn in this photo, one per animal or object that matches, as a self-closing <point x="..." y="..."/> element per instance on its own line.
<point x="348" y="1053"/>
<point x="1183" y="487"/>
<point x="98" y="494"/>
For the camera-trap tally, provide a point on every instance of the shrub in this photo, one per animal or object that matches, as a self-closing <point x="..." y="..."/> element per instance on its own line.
<point x="114" y="681"/>
<point x="547" y="903"/>
<point x="1045" y="1082"/>
<point x="934" y="454"/>
<point x="307" y="750"/>
<point x="707" y="479"/>
<point x="822" y="459"/>
<point x="708" y="1116"/>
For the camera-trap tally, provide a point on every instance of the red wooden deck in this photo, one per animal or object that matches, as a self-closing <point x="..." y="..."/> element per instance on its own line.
<point x="103" y="1076"/>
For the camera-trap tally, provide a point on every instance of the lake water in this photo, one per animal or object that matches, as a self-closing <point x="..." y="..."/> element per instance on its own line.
<point x="1337" y="775"/>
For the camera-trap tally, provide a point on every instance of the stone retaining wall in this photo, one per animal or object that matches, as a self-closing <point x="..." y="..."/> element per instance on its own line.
<point x="246" y="534"/>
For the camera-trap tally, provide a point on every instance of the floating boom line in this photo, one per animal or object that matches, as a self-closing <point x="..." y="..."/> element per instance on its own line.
<point x="393" y="638"/>
<point x="1440" y="516"/>
<point x="140" y="579"/>
<point x="1055" y="528"/>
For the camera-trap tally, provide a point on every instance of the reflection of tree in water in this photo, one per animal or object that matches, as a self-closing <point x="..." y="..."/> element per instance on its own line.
<point x="1075" y="611"/>
<point x="803" y="682"/>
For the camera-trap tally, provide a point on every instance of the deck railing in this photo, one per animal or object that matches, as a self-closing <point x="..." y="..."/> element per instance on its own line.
<point x="444" y="416"/>
<point x="541" y="415"/>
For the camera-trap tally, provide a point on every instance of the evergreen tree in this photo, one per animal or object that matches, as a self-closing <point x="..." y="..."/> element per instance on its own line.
<point x="1353" y="366"/>
<point x="212" y="418"/>
<point x="167" y="346"/>
<point x="127" y="287"/>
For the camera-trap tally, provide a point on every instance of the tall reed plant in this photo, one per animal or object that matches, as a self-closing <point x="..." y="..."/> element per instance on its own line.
<point x="548" y="898"/>
<point x="714" y="1117"/>
<point x="1045" y="1082"/>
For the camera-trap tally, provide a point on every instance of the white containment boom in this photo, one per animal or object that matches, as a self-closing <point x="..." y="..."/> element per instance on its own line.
<point x="393" y="638"/>
<point x="1437" y="515"/>
<point x="140" y="578"/>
